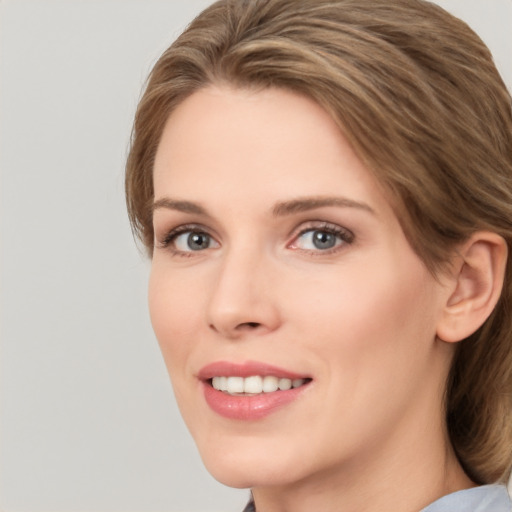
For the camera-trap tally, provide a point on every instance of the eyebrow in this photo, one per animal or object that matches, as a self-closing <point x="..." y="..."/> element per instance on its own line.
<point x="281" y="209"/>
<point x="181" y="206"/>
<point x="303" y="204"/>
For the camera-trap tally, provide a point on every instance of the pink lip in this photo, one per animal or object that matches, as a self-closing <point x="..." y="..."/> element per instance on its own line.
<point x="247" y="407"/>
<point x="247" y="369"/>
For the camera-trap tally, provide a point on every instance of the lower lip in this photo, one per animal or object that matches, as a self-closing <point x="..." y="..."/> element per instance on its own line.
<point x="249" y="407"/>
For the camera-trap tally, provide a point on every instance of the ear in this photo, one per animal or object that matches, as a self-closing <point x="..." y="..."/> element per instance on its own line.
<point x="476" y="284"/>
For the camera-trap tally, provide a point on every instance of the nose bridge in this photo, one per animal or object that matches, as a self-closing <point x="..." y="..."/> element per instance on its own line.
<point x="241" y="299"/>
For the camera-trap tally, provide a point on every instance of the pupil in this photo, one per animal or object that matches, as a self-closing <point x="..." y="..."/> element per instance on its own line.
<point x="323" y="240"/>
<point x="198" y="241"/>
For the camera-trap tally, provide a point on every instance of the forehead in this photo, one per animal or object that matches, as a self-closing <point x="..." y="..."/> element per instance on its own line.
<point x="223" y="141"/>
<point x="244" y="124"/>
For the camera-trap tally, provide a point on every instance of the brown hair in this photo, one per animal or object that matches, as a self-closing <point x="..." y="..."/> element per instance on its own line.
<point x="416" y="92"/>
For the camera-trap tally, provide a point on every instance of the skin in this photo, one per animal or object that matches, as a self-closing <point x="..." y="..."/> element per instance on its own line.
<point x="360" y="318"/>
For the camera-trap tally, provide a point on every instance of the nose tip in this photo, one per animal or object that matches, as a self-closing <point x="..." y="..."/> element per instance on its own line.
<point x="239" y="323"/>
<point x="242" y="303"/>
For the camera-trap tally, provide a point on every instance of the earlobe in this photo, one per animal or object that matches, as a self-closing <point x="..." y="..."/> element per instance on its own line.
<point x="477" y="283"/>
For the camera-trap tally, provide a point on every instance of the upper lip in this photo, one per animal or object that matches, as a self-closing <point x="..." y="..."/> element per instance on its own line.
<point x="246" y="369"/>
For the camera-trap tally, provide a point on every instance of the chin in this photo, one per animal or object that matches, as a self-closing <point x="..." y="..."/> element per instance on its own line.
<point x="232" y="477"/>
<point x="239" y="476"/>
<point x="237" y="468"/>
<point x="250" y="466"/>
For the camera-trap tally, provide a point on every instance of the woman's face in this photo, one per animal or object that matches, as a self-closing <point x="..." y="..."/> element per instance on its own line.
<point x="281" y="276"/>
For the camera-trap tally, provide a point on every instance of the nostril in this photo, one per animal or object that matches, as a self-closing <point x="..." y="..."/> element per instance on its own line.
<point x="240" y="327"/>
<point x="249" y="325"/>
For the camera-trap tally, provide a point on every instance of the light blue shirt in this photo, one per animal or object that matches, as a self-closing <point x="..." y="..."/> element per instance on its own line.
<point x="486" y="498"/>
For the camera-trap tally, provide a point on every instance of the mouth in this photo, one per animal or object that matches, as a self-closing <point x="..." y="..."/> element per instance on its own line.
<point x="250" y="391"/>
<point x="255" y="384"/>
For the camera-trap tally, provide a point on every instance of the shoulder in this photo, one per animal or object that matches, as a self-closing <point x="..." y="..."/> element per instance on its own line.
<point x="486" y="498"/>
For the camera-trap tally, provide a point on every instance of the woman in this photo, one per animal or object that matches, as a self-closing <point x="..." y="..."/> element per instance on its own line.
<point x="325" y="189"/>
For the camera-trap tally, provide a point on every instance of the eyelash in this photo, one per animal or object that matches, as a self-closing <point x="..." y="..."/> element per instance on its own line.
<point x="345" y="236"/>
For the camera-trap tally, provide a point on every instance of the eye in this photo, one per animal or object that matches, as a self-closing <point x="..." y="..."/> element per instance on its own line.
<point x="325" y="238"/>
<point x="317" y="239"/>
<point x="192" y="241"/>
<point x="187" y="239"/>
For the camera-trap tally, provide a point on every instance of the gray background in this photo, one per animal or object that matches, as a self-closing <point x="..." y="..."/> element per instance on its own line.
<point x="88" y="421"/>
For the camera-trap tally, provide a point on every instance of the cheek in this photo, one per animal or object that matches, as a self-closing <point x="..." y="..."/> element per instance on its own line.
<point x="369" y="335"/>
<point x="381" y="310"/>
<point x="174" y="312"/>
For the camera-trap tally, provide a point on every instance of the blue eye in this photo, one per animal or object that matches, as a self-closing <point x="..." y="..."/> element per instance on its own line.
<point x="192" y="241"/>
<point x="322" y="239"/>
<point x="188" y="239"/>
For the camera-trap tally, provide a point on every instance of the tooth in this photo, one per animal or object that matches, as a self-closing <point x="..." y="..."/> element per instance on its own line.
<point x="235" y="385"/>
<point x="297" y="383"/>
<point x="220" y="383"/>
<point x="270" y="384"/>
<point x="216" y="383"/>
<point x="253" y="384"/>
<point x="285" y="384"/>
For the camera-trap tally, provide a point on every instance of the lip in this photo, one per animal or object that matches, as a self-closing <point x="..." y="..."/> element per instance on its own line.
<point x="248" y="407"/>
<point x="247" y="369"/>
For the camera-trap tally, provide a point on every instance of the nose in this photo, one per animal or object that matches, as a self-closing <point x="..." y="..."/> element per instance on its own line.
<point x="243" y="301"/>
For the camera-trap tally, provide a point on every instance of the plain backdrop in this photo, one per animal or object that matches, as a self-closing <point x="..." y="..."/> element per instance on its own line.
<point x="88" y="421"/>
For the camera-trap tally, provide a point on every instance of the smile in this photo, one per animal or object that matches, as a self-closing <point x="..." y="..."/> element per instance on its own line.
<point x="251" y="390"/>
<point x="254" y="385"/>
